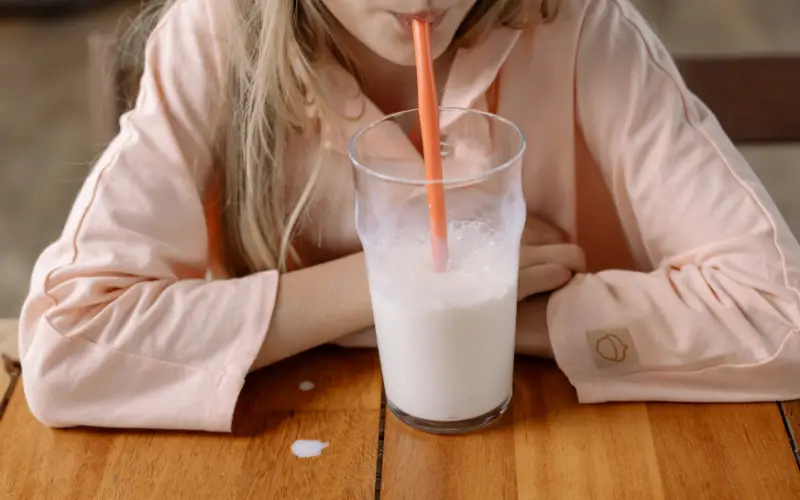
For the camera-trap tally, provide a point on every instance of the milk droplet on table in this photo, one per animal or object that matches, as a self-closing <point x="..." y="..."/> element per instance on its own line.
<point x="306" y="386"/>
<point x="303" y="448"/>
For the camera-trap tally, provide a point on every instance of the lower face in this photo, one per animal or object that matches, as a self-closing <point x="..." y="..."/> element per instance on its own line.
<point x="384" y="26"/>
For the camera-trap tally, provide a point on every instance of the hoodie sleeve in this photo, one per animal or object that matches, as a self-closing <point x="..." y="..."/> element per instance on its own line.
<point x="717" y="317"/>
<point x="120" y="328"/>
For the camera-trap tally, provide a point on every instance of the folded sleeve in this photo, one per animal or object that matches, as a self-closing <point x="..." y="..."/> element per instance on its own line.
<point x="716" y="319"/>
<point x="121" y="328"/>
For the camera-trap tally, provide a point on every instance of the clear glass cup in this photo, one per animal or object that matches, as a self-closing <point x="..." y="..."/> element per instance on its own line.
<point x="446" y="337"/>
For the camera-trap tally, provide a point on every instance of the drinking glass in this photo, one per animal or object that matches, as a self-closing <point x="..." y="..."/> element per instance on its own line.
<point x="445" y="336"/>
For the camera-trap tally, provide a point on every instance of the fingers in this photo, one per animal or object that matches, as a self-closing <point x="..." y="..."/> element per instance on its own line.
<point x="543" y="278"/>
<point x="549" y="267"/>
<point x="566" y="255"/>
<point x="540" y="232"/>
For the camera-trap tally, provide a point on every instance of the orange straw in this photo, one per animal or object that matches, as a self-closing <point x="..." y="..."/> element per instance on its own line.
<point x="431" y="144"/>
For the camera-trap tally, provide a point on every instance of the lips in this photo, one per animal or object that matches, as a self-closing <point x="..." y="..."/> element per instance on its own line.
<point x="431" y="17"/>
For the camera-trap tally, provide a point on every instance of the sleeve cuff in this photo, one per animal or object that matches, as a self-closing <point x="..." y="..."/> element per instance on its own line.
<point x="570" y="353"/>
<point x="595" y="350"/>
<point x="590" y="345"/>
<point x="257" y="304"/>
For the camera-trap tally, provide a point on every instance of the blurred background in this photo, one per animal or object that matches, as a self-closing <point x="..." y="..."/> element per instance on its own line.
<point x="49" y="104"/>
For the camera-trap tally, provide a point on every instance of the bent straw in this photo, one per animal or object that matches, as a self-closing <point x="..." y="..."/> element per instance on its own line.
<point x="431" y="144"/>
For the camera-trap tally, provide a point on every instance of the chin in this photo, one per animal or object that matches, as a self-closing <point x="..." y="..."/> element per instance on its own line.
<point x="400" y="57"/>
<point x="402" y="52"/>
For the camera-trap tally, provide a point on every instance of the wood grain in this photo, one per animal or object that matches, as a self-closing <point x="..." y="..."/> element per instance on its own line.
<point x="552" y="447"/>
<point x="9" y="374"/>
<point x="5" y="386"/>
<point x="725" y="451"/>
<point x="791" y="410"/>
<point x="343" y="409"/>
<point x="9" y="360"/>
<point x="567" y="450"/>
<point x="421" y="466"/>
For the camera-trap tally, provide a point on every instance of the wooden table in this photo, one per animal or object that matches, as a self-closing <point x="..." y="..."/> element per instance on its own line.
<point x="549" y="446"/>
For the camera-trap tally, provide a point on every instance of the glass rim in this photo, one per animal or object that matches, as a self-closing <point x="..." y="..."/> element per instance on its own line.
<point x="425" y="182"/>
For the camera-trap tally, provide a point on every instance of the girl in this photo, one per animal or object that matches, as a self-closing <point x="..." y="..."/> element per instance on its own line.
<point x="245" y="110"/>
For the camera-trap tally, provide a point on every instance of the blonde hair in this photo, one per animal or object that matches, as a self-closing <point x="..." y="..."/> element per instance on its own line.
<point x="272" y="46"/>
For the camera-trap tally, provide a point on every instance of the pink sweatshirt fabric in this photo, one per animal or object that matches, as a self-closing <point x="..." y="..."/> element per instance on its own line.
<point x="693" y="289"/>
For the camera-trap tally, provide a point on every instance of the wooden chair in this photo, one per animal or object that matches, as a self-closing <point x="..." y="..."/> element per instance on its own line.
<point x="9" y="360"/>
<point x="756" y="99"/>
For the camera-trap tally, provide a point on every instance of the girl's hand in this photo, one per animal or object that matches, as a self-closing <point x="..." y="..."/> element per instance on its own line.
<point x="546" y="261"/>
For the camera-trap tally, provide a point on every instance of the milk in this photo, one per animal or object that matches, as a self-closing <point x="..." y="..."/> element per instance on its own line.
<point x="446" y="340"/>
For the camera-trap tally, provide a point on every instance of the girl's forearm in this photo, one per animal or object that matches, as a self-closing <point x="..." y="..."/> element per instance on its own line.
<point x="315" y="306"/>
<point x="326" y="302"/>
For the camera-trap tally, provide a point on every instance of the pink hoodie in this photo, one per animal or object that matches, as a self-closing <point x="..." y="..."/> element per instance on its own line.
<point x="693" y="294"/>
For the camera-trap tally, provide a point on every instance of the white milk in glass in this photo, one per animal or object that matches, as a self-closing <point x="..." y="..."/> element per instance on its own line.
<point x="446" y="340"/>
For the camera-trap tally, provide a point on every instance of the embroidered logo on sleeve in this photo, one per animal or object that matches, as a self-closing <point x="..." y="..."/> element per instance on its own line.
<point x="612" y="348"/>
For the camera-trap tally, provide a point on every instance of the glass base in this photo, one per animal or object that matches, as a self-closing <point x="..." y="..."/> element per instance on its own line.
<point x="451" y="426"/>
